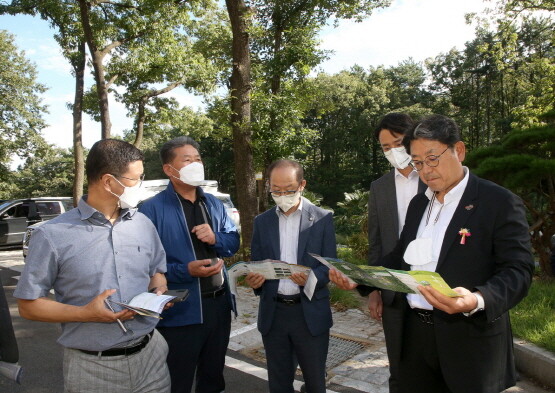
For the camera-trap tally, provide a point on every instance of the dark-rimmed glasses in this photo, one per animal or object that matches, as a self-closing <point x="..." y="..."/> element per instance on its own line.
<point x="286" y="193"/>
<point x="432" y="161"/>
<point x="140" y="179"/>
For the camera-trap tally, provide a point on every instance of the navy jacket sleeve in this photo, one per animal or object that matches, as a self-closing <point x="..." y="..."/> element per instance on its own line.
<point x="329" y="250"/>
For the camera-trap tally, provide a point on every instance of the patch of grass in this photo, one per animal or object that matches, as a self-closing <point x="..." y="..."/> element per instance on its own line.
<point x="347" y="254"/>
<point x="533" y="319"/>
<point x="342" y="300"/>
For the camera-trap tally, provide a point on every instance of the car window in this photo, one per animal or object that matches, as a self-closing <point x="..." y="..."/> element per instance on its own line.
<point x="68" y="204"/>
<point x="48" y="208"/>
<point x="18" y="211"/>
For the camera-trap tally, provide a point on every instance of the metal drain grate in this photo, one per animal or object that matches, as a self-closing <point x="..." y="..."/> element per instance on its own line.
<point x="341" y="349"/>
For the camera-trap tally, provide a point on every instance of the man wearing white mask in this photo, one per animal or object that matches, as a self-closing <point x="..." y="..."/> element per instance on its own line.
<point x="293" y="327"/>
<point x="195" y="230"/>
<point x="474" y="233"/>
<point x="389" y="199"/>
<point x="102" y="249"/>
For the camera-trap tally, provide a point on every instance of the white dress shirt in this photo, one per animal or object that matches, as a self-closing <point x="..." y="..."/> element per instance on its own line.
<point x="289" y="228"/>
<point x="435" y="227"/>
<point x="405" y="189"/>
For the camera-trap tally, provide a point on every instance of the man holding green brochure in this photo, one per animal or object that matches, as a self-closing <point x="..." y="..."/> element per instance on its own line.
<point x="473" y="233"/>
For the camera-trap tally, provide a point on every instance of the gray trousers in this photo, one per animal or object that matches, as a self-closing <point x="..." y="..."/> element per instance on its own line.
<point x="143" y="372"/>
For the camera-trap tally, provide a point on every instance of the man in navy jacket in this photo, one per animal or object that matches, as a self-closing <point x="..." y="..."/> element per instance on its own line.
<point x="293" y="327"/>
<point x="195" y="231"/>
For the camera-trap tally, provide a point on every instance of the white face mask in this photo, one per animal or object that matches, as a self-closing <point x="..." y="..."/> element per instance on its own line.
<point x="192" y="174"/>
<point x="131" y="196"/>
<point x="419" y="252"/>
<point x="398" y="157"/>
<point x="286" y="202"/>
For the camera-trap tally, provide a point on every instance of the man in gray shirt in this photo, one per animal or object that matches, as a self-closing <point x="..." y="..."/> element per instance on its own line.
<point x="102" y="249"/>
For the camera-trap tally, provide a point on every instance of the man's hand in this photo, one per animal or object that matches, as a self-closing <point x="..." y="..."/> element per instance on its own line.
<point x="204" y="234"/>
<point x="254" y="280"/>
<point x="299" y="279"/>
<point x="159" y="290"/>
<point x="375" y="305"/>
<point x="202" y="268"/>
<point x="96" y="311"/>
<point x="341" y="280"/>
<point x="451" y="305"/>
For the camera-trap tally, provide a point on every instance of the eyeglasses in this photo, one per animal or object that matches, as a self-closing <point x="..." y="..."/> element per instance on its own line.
<point x="286" y="193"/>
<point x="140" y="179"/>
<point x="432" y="161"/>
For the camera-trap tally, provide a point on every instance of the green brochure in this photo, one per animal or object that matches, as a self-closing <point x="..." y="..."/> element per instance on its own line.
<point x="393" y="280"/>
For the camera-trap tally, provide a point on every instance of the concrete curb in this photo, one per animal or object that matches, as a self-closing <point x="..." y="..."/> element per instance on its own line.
<point x="535" y="362"/>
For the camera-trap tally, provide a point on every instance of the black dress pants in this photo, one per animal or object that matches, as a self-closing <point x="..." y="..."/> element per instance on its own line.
<point x="420" y="369"/>
<point x="392" y="320"/>
<point x="200" y="348"/>
<point x="289" y="341"/>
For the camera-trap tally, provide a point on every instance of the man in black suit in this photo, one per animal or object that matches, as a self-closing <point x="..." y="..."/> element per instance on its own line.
<point x="475" y="234"/>
<point x="293" y="327"/>
<point x="389" y="199"/>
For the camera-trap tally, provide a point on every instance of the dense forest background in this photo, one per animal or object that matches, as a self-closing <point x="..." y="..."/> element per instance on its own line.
<point x="262" y="55"/>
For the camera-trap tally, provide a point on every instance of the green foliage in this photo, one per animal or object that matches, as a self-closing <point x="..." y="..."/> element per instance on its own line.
<point x="533" y="318"/>
<point x="21" y="110"/>
<point x="343" y="300"/>
<point x="524" y="162"/>
<point x="167" y="123"/>
<point x="503" y="79"/>
<point x="47" y="174"/>
<point x="352" y="213"/>
<point x="346" y="253"/>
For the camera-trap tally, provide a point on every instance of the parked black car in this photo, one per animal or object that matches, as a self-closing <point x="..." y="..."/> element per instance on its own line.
<point x="16" y="215"/>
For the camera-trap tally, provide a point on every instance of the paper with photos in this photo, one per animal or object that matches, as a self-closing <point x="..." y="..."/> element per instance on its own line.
<point x="269" y="268"/>
<point x="383" y="278"/>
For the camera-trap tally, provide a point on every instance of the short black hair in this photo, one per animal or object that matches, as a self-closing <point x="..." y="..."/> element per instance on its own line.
<point x="286" y="164"/>
<point x="434" y="128"/>
<point x="111" y="156"/>
<point x="166" y="152"/>
<point x="396" y="122"/>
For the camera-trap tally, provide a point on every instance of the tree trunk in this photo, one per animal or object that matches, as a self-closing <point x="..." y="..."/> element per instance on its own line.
<point x="78" y="159"/>
<point x="240" y="85"/>
<point x="141" y="117"/>
<point x="97" y="58"/>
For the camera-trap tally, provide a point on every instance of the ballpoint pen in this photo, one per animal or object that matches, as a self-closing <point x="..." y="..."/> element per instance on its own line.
<point x="119" y="321"/>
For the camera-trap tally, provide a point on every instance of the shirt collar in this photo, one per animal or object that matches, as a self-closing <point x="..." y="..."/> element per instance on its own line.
<point x="300" y="208"/>
<point x="87" y="211"/>
<point x="411" y="175"/>
<point x="456" y="192"/>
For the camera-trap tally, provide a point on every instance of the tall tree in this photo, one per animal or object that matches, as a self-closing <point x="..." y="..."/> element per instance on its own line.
<point x="110" y="27"/>
<point x="176" y="57"/>
<point x="285" y="50"/>
<point x="240" y="102"/>
<point x="21" y="110"/>
<point x="64" y="18"/>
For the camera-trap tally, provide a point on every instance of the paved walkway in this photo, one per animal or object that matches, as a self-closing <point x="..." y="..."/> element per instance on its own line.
<point x="367" y="371"/>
